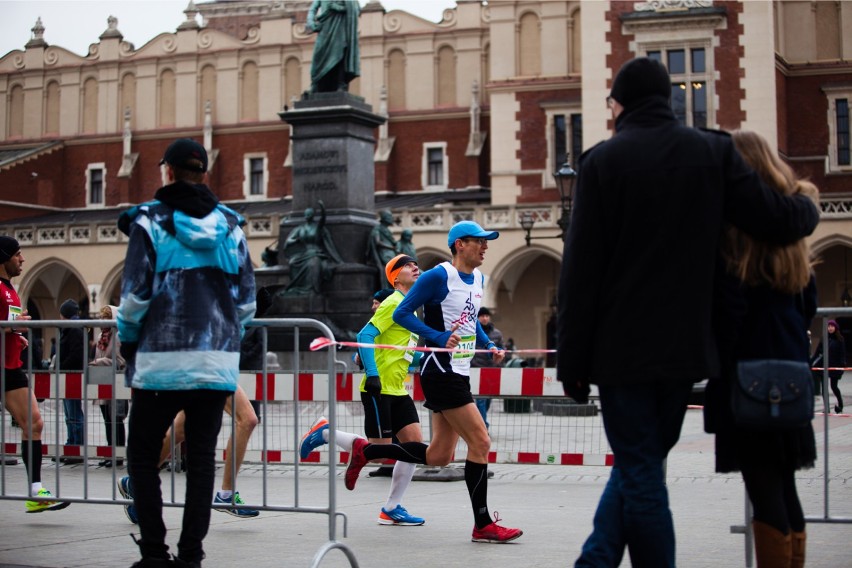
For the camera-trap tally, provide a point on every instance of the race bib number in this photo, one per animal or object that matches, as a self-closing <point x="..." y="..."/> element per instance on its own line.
<point x="15" y="312"/>
<point x="409" y="353"/>
<point x="467" y="344"/>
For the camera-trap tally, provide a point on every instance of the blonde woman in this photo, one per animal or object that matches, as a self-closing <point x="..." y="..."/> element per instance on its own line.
<point x="765" y="301"/>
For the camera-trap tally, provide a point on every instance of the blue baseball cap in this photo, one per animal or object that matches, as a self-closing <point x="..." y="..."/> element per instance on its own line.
<point x="464" y="229"/>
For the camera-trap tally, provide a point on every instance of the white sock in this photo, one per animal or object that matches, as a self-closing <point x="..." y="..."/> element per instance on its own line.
<point x="400" y="480"/>
<point x="225" y="495"/>
<point x="344" y="439"/>
<point x="36" y="487"/>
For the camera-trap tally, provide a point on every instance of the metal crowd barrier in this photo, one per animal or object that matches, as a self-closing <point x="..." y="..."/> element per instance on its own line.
<point x="826" y="517"/>
<point x="57" y="384"/>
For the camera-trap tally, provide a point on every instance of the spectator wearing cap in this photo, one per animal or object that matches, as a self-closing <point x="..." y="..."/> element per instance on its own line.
<point x="451" y="295"/>
<point x="484" y="359"/>
<point x="19" y="400"/>
<point x="654" y="192"/>
<point x="187" y="292"/>
<point x="72" y="351"/>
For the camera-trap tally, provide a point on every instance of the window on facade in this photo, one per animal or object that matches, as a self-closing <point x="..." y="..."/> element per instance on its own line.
<point x="567" y="139"/>
<point x="435" y="158"/>
<point x="255" y="176"/>
<point x="446" y="76"/>
<point x="435" y="173"/>
<point x="256" y="185"/>
<point x="688" y="70"/>
<point x="16" y="112"/>
<point x="842" y="127"/>
<point x="529" y="41"/>
<point x="96" y="186"/>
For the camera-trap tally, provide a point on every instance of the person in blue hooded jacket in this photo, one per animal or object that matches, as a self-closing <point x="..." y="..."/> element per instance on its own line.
<point x="187" y="292"/>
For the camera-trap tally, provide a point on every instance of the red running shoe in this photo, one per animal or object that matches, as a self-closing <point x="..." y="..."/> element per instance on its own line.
<point x="494" y="533"/>
<point x="357" y="461"/>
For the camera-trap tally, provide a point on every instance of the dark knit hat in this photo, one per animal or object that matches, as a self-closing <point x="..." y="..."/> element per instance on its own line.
<point x="69" y="309"/>
<point x="382" y="294"/>
<point x="483" y="311"/>
<point x="182" y="152"/>
<point x="8" y="248"/>
<point x="641" y="78"/>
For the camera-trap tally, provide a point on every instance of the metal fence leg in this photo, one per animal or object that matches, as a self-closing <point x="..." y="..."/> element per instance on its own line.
<point x="746" y="530"/>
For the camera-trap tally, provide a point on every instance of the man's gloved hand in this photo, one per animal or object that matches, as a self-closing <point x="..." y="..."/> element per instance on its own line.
<point x="128" y="351"/>
<point x="373" y="386"/>
<point x="578" y="390"/>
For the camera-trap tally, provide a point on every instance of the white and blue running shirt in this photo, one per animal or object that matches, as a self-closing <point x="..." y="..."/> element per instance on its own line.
<point x="448" y="297"/>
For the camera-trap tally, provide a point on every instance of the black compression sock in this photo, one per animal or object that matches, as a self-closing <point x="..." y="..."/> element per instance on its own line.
<point x="33" y="466"/>
<point x="476" y="478"/>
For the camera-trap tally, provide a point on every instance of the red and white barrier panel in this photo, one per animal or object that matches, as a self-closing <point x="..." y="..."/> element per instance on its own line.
<point x="531" y="382"/>
<point x="48" y="450"/>
<point x="522" y="382"/>
<point x="493" y="457"/>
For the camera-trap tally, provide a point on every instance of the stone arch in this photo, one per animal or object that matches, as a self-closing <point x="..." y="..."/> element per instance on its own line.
<point x="522" y="289"/>
<point x="833" y="270"/>
<point x="49" y="283"/>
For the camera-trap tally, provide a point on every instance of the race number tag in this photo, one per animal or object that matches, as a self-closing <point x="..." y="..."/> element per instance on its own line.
<point x="467" y="343"/>
<point x="412" y="343"/>
<point x="15" y="312"/>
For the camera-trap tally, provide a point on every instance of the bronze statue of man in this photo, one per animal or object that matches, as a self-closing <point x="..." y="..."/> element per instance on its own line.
<point x="336" y="59"/>
<point x="381" y="246"/>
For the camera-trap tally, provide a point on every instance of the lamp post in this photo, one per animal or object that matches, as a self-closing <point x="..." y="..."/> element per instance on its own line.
<point x="565" y="178"/>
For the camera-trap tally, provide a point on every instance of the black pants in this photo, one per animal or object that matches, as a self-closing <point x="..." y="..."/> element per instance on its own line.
<point x="150" y="417"/>
<point x="120" y="414"/>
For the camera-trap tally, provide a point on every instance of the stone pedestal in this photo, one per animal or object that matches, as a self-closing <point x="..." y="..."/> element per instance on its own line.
<point x="332" y="148"/>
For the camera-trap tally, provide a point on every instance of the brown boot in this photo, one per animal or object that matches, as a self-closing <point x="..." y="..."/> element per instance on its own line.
<point x="772" y="548"/>
<point x="798" y="546"/>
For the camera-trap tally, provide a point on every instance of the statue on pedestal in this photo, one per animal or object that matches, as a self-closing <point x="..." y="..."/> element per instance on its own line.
<point x="381" y="246"/>
<point x="405" y="245"/>
<point x="311" y="253"/>
<point x="336" y="59"/>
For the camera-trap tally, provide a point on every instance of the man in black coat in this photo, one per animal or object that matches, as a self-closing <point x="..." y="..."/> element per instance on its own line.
<point x="635" y="293"/>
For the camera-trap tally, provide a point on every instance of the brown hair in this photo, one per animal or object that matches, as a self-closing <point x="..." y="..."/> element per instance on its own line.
<point x="784" y="268"/>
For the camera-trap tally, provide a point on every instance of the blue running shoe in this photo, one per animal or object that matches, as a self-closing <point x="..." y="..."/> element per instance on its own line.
<point x="238" y="512"/>
<point x="399" y="517"/>
<point x="126" y="492"/>
<point x="313" y="439"/>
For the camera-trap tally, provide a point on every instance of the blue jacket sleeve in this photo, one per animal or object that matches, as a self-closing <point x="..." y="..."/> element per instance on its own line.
<point x="368" y="334"/>
<point x="137" y="285"/>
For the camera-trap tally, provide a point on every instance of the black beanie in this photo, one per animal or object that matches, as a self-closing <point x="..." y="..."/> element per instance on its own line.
<point x="69" y="309"/>
<point x="8" y="248"/>
<point x="641" y="78"/>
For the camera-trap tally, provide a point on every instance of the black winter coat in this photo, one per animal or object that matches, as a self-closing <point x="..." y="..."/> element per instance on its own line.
<point x="640" y="252"/>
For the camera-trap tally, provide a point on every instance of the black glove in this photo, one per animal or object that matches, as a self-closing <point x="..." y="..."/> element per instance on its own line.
<point x="128" y="351"/>
<point x="578" y="390"/>
<point x="373" y="386"/>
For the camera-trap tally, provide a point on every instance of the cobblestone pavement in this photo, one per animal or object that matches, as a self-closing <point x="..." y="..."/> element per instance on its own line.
<point x="553" y="504"/>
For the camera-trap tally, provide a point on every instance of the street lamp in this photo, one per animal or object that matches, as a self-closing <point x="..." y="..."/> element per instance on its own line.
<point x="565" y="178"/>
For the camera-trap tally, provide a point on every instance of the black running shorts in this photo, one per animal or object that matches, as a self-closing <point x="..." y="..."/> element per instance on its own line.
<point x="387" y="415"/>
<point x="15" y="379"/>
<point x="445" y="391"/>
